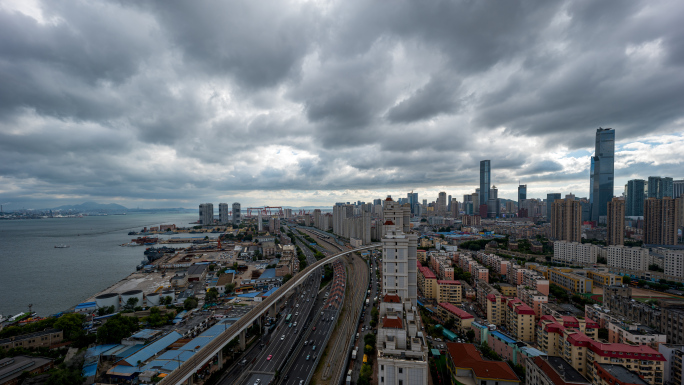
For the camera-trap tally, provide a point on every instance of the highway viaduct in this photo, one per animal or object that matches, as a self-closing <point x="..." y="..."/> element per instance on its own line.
<point x="194" y="363"/>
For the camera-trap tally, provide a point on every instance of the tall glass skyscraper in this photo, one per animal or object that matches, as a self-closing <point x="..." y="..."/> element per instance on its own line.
<point x="602" y="173"/>
<point x="660" y="187"/>
<point x="485" y="180"/>
<point x="634" y="198"/>
<point x="522" y="193"/>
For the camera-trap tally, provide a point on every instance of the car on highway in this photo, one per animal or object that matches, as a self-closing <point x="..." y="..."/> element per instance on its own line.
<point x="306" y="343"/>
<point x="314" y="347"/>
<point x="269" y="357"/>
<point x="283" y="337"/>
<point x="314" y="328"/>
<point x="308" y="356"/>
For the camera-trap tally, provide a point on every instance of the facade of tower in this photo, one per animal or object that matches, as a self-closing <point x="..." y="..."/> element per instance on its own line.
<point x="602" y="173"/>
<point x="485" y="181"/>
<point x="616" y="222"/>
<point x="677" y="188"/>
<point x="206" y="213"/>
<point x="660" y="221"/>
<point x="566" y="220"/>
<point x="550" y="198"/>
<point x="223" y="212"/>
<point x="413" y="202"/>
<point x="660" y="187"/>
<point x="260" y="221"/>
<point x="441" y="203"/>
<point x="634" y="198"/>
<point x="522" y="193"/>
<point x="237" y="215"/>
<point x="493" y="205"/>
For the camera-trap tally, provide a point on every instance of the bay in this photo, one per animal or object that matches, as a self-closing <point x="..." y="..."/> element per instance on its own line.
<point x="33" y="271"/>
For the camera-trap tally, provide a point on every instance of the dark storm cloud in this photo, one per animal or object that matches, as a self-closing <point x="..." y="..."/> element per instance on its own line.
<point x="182" y="101"/>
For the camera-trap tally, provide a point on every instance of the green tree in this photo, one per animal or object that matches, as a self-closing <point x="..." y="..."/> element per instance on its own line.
<point x="212" y="295"/>
<point x="167" y="300"/>
<point x="230" y="287"/>
<point x="190" y="303"/>
<point x="116" y="329"/>
<point x="71" y="326"/>
<point x="470" y="334"/>
<point x="626" y="280"/>
<point x="286" y="278"/>
<point x="450" y="323"/>
<point x="368" y="349"/>
<point x="65" y="376"/>
<point x="131" y="304"/>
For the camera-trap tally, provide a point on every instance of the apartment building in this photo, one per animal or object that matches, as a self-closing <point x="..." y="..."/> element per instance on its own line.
<point x="574" y="283"/>
<point x="601" y="278"/>
<point x="507" y="289"/>
<point x="612" y="374"/>
<point x="634" y="258"/>
<point x="566" y="220"/>
<point x="619" y="300"/>
<point x="462" y="318"/>
<point x="674" y="262"/>
<point x="42" y="339"/>
<point x="674" y="355"/>
<point x="533" y="298"/>
<point x="660" y="221"/>
<point x="496" y="308"/>
<point x="519" y="319"/>
<point x="552" y="370"/>
<point x="635" y="334"/>
<point x="575" y="253"/>
<point x="549" y="331"/>
<point x="449" y="291"/>
<point x="427" y="282"/>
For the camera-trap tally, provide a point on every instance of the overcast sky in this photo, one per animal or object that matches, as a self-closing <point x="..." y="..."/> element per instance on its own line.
<point x="174" y="103"/>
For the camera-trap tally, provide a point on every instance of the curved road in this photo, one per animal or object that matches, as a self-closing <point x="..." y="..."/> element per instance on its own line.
<point x="195" y="362"/>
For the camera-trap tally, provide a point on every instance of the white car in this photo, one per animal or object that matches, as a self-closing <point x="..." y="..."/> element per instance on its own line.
<point x="282" y="337"/>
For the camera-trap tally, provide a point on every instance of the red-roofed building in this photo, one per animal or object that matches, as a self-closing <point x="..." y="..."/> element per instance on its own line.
<point x="391" y="323"/>
<point x="519" y="320"/>
<point x="582" y="352"/>
<point x="462" y="319"/>
<point x="427" y="282"/>
<point x="449" y="290"/>
<point x="391" y="298"/>
<point x="466" y="362"/>
<point x="550" y="329"/>
<point x="552" y="370"/>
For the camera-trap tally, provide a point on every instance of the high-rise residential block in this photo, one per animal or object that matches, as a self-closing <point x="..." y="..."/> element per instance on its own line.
<point x="485" y="181"/>
<point x="634" y="198"/>
<point x="660" y="221"/>
<point x="677" y="188"/>
<point x="237" y="215"/>
<point x="674" y="262"/>
<point x="634" y="258"/>
<point x="550" y="198"/>
<point x="223" y="212"/>
<point x="616" y="222"/>
<point x="206" y="213"/>
<point x="602" y="173"/>
<point x="566" y="220"/>
<point x="441" y="204"/>
<point x="660" y="187"/>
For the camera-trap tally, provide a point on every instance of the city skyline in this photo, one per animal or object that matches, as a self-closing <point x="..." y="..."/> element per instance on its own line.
<point x="172" y="105"/>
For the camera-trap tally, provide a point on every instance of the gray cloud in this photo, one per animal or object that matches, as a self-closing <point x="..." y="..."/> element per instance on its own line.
<point x="170" y="103"/>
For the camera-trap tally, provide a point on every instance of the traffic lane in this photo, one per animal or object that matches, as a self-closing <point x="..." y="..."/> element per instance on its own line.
<point x="301" y="368"/>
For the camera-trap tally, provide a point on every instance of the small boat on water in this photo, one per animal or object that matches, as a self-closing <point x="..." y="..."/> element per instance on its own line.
<point x="61" y="246"/>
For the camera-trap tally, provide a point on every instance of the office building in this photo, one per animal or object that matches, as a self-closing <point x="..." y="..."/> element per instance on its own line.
<point x="660" y="221"/>
<point x="616" y="222"/>
<point x="237" y="217"/>
<point x="206" y="213"/>
<point x="566" y="220"/>
<point x="522" y="193"/>
<point x="223" y="213"/>
<point x="660" y="187"/>
<point x="550" y="198"/>
<point x="634" y="198"/>
<point x="485" y="181"/>
<point x="493" y="205"/>
<point x="413" y="202"/>
<point x="602" y="173"/>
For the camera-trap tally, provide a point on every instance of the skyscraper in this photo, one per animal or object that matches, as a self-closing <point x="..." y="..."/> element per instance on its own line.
<point x="660" y="221"/>
<point x="660" y="187"/>
<point x="522" y="193"/>
<point x="493" y="205"/>
<point x="223" y="212"/>
<point x="441" y="203"/>
<point x="566" y="220"/>
<point x="677" y="188"/>
<point x="413" y="201"/>
<point x="616" y="222"/>
<point x="634" y="198"/>
<point x="602" y="173"/>
<point x="206" y="213"/>
<point x="237" y="215"/>
<point x="485" y="180"/>
<point x="549" y="201"/>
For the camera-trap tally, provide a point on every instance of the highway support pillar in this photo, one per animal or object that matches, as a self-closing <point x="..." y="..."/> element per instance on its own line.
<point x="190" y="379"/>
<point x="220" y="359"/>
<point x="273" y="311"/>
<point x="243" y="344"/>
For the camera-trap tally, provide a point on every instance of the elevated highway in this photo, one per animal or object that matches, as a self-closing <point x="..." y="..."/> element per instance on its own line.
<point x="194" y="363"/>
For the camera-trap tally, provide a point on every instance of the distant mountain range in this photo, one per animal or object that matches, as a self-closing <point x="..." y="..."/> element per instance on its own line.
<point x="93" y="206"/>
